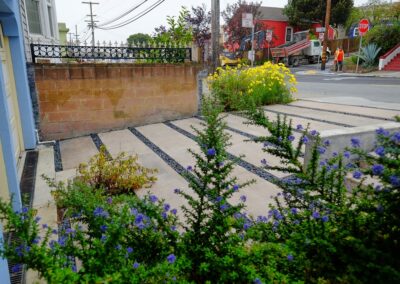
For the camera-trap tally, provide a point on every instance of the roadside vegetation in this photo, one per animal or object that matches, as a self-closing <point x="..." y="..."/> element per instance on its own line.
<point x="238" y="87"/>
<point x="318" y="229"/>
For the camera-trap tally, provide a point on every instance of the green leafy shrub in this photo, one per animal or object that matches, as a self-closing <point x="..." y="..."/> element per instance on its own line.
<point x="122" y="239"/>
<point x="334" y="233"/>
<point x="318" y="230"/>
<point x="384" y="36"/>
<point x="236" y="88"/>
<point x="354" y="59"/>
<point x="120" y="175"/>
<point x="369" y="55"/>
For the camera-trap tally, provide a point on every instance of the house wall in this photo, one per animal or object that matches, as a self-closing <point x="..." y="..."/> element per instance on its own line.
<point x="25" y="29"/>
<point x="4" y="194"/>
<point x="76" y="100"/>
<point x="12" y="26"/>
<point x="278" y="30"/>
<point x="45" y="35"/>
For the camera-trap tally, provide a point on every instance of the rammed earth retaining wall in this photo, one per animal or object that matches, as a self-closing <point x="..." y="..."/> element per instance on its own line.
<point x="79" y="99"/>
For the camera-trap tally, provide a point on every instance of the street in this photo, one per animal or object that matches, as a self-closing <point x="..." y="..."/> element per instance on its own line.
<point x="345" y="88"/>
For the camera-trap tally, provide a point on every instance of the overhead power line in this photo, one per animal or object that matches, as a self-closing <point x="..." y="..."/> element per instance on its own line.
<point x="92" y="21"/>
<point x="122" y="15"/>
<point x="135" y="18"/>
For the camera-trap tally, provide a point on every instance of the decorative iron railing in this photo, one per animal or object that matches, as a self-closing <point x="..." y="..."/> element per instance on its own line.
<point x="148" y="54"/>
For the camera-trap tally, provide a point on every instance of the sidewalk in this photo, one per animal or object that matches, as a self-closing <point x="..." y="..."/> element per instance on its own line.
<point x="327" y="71"/>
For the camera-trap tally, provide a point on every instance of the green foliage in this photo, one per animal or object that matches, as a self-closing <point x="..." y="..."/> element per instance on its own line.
<point x="384" y="36"/>
<point x="177" y="31"/>
<point x="109" y="237"/>
<point x="334" y="233"/>
<point x="232" y="16"/>
<point x="120" y="175"/>
<point x="369" y="55"/>
<point x="139" y="38"/>
<point x="320" y="228"/>
<point x="237" y="88"/>
<point x="302" y="13"/>
<point x="354" y="59"/>
<point x="212" y="240"/>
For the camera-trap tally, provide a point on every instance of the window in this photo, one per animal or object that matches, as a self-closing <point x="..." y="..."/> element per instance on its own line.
<point x="50" y="21"/>
<point x="289" y="34"/>
<point x="32" y="7"/>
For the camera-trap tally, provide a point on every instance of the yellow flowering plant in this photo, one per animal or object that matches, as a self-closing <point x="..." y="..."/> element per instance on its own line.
<point x="120" y="175"/>
<point x="242" y="86"/>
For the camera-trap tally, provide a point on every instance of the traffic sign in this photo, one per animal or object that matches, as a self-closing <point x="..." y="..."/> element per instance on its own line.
<point x="321" y="36"/>
<point x="269" y="36"/>
<point x="247" y="20"/>
<point x="363" y="26"/>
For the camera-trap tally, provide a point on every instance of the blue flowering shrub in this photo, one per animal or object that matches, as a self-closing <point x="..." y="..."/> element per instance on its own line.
<point x="318" y="230"/>
<point x="110" y="237"/>
<point x="335" y="234"/>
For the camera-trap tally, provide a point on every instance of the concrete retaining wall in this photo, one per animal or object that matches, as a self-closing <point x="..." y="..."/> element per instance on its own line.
<point x="78" y="99"/>
<point x="341" y="138"/>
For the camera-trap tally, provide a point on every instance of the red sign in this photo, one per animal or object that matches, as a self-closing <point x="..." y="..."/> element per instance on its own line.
<point x="363" y="26"/>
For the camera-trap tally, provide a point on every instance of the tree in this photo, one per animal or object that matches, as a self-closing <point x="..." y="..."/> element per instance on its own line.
<point x="138" y="38"/>
<point x="200" y="22"/>
<point x="232" y="16"/>
<point x="177" y="30"/>
<point x="303" y="13"/>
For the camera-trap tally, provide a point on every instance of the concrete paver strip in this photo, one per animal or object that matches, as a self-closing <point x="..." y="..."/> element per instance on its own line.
<point x="327" y="116"/>
<point x="252" y="151"/>
<point x="257" y="194"/>
<point x="76" y="151"/>
<point x="42" y="195"/>
<point x="167" y="179"/>
<point x="314" y="125"/>
<point x="375" y="112"/>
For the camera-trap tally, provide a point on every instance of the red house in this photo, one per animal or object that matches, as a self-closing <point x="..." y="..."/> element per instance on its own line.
<point x="272" y="18"/>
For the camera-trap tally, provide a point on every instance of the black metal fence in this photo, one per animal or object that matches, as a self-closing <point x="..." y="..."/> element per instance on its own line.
<point x="141" y="54"/>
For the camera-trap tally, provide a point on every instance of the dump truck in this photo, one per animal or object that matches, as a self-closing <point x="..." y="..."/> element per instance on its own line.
<point x="300" y="50"/>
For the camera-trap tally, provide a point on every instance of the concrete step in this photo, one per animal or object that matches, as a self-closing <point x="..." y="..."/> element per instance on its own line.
<point x="327" y="117"/>
<point x="331" y="107"/>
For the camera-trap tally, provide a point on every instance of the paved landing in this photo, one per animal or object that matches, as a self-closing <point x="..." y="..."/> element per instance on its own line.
<point x="164" y="146"/>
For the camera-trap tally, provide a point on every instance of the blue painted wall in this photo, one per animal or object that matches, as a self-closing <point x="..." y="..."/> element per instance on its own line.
<point x="12" y="28"/>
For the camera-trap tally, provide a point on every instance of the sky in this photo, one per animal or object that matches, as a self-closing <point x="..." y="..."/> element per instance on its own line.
<point x="73" y="13"/>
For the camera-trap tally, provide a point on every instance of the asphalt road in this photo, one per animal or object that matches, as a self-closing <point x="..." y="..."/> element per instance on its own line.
<point x="342" y="88"/>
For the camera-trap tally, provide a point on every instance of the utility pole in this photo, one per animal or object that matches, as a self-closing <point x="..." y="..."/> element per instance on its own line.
<point x="76" y="35"/>
<point x="327" y="20"/>
<point x="70" y="38"/>
<point x="215" y="14"/>
<point x="91" y="22"/>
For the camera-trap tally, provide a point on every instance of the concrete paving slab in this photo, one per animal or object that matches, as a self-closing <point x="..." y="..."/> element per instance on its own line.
<point x="314" y="125"/>
<point x="252" y="151"/>
<point x="376" y="112"/>
<point x="167" y="178"/>
<point x="123" y="141"/>
<point x="349" y="100"/>
<point x="76" y="151"/>
<point x="258" y="193"/>
<point x="66" y="176"/>
<point x="328" y="116"/>
<point x="45" y="166"/>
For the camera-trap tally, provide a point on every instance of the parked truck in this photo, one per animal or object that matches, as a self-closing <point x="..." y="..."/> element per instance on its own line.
<point x="299" y="50"/>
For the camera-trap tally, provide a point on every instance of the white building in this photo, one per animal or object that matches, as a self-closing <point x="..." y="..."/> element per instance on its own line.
<point x="39" y="22"/>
